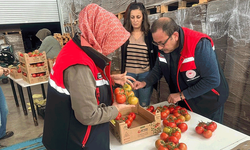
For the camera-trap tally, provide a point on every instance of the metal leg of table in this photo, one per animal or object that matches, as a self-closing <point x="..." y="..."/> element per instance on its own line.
<point x="32" y="106"/>
<point x="44" y="96"/>
<point x="14" y="92"/>
<point x="20" y="90"/>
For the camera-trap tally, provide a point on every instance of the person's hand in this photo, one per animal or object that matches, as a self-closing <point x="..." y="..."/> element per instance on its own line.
<point x="122" y="106"/>
<point x="6" y="71"/>
<point x="122" y="79"/>
<point x="139" y="85"/>
<point x="175" y="97"/>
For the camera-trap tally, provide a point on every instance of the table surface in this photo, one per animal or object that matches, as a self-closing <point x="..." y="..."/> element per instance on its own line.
<point x="23" y="83"/>
<point x="223" y="138"/>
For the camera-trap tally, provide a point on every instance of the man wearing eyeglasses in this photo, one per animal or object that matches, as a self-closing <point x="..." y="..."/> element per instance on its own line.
<point x="189" y="64"/>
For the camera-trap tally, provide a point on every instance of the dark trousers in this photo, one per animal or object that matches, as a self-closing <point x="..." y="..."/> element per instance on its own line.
<point x="218" y="115"/>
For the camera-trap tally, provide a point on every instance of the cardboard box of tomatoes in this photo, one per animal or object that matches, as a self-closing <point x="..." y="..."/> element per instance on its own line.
<point x="144" y="125"/>
<point x="34" y="67"/>
<point x="16" y="72"/>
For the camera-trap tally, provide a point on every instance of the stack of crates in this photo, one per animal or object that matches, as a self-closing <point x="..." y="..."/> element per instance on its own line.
<point x="34" y="67"/>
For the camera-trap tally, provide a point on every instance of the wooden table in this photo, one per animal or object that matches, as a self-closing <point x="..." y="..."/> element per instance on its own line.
<point x="223" y="138"/>
<point x="23" y="84"/>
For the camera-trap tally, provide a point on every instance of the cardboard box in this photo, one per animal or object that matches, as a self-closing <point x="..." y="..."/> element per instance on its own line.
<point x="33" y="69"/>
<point x="32" y="80"/>
<point x="145" y="124"/>
<point x="31" y="60"/>
<point x="34" y="65"/>
<point x="15" y="74"/>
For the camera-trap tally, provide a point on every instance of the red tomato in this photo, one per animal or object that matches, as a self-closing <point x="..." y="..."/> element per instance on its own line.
<point x="183" y="111"/>
<point x="175" y="111"/>
<point x="119" y="91"/>
<point x="165" y="107"/>
<point x="170" y="145"/>
<point x="164" y="136"/>
<point x="177" y="107"/>
<point x="210" y="126"/>
<point x="120" y="98"/>
<point x="130" y="118"/>
<point x="183" y="126"/>
<point x="215" y="125"/>
<point x="21" y="55"/>
<point x="176" y="114"/>
<point x="159" y="143"/>
<point x="171" y="109"/>
<point x="177" y="134"/>
<point x="171" y="124"/>
<point x="162" y="148"/>
<point x="202" y="124"/>
<point x="182" y="146"/>
<point x="171" y="118"/>
<point x="165" y="122"/>
<point x="118" y="117"/>
<point x="150" y="108"/>
<point x="207" y="133"/>
<point x="133" y="115"/>
<point x="34" y="75"/>
<point x="167" y="111"/>
<point x="128" y="122"/>
<point x="164" y="115"/>
<point x="173" y="139"/>
<point x="199" y="129"/>
<point x="178" y="121"/>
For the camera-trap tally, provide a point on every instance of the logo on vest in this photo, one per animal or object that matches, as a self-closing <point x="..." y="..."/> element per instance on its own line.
<point x="162" y="58"/>
<point x="99" y="76"/>
<point x="190" y="74"/>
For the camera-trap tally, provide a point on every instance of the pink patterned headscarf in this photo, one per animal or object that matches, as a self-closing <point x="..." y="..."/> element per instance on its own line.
<point x="101" y="29"/>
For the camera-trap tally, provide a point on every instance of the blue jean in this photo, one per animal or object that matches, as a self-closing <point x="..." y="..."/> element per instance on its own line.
<point x="3" y="114"/>
<point x="143" y="94"/>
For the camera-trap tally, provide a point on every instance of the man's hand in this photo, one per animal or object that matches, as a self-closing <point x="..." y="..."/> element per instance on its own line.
<point x="4" y="71"/>
<point x="122" y="106"/>
<point x="139" y="85"/>
<point x="122" y="79"/>
<point x="175" y="97"/>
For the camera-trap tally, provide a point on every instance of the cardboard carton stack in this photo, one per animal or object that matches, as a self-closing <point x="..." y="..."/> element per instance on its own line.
<point x="34" y="67"/>
<point x="145" y="124"/>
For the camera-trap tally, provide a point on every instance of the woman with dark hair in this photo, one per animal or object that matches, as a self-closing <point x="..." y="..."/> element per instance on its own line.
<point x="138" y="53"/>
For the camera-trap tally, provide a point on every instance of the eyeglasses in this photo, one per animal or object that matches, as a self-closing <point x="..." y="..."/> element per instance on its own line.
<point x="162" y="44"/>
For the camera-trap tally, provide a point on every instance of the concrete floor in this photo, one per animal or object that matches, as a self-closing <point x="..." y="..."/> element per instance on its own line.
<point x="22" y="126"/>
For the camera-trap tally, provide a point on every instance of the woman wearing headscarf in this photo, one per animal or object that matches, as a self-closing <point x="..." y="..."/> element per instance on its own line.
<point x="49" y="44"/>
<point x="80" y="100"/>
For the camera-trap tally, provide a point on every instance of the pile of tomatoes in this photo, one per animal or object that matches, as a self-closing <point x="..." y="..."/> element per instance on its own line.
<point x="169" y="139"/>
<point x="206" y="129"/>
<point x="128" y="119"/>
<point x="125" y="94"/>
<point x="177" y="112"/>
<point x="173" y="119"/>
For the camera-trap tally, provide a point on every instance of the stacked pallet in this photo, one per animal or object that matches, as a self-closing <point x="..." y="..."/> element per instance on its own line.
<point x="34" y="67"/>
<point x="62" y="39"/>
